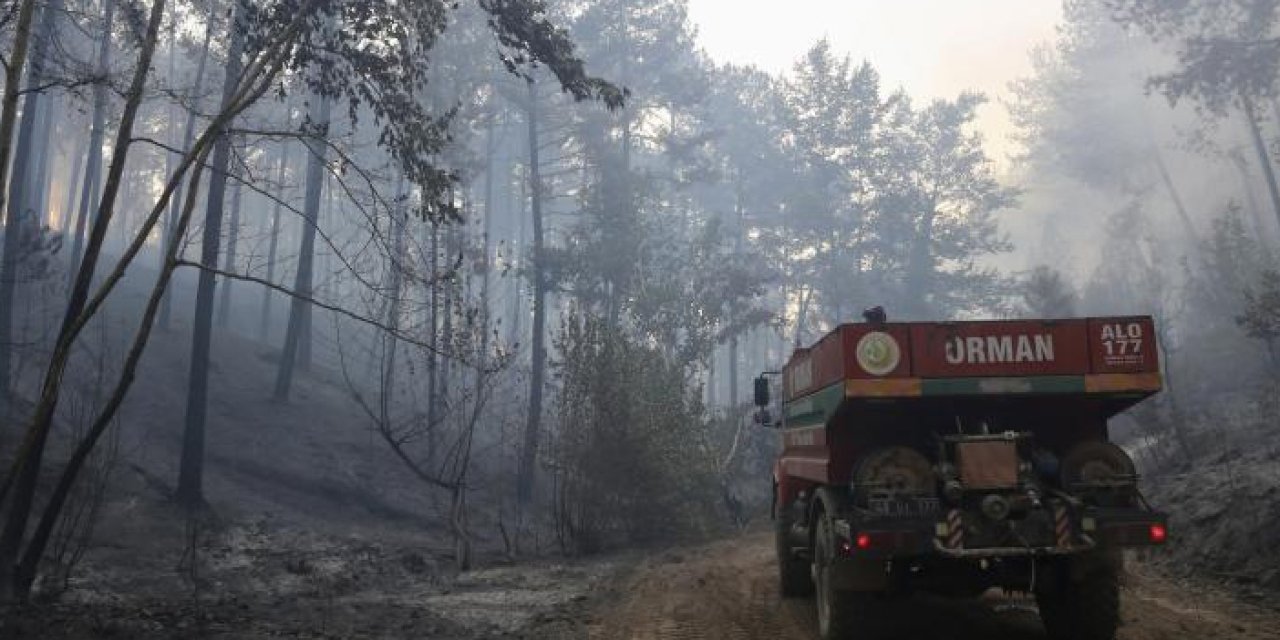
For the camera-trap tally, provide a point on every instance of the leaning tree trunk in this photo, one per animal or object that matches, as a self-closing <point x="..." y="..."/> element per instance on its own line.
<point x="31" y="558"/>
<point x="190" y="491"/>
<point x="81" y="308"/>
<point x="26" y="468"/>
<point x="317" y="148"/>
<point x="533" y="421"/>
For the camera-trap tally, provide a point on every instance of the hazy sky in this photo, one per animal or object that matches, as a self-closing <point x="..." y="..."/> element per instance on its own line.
<point x="932" y="48"/>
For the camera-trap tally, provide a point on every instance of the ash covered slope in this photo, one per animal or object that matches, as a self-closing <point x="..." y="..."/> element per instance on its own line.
<point x="301" y="488"/>
<point x="1222" y="490"/>
<point x="313" y="461"/>
<point x="1225" y="514"/>
<point x="314" y="527"/>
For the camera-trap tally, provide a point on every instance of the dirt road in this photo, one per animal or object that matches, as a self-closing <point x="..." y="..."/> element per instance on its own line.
<point x="728" y="591"/>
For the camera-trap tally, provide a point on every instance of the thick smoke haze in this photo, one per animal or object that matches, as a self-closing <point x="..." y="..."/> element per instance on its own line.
<point x="336" y="288"/>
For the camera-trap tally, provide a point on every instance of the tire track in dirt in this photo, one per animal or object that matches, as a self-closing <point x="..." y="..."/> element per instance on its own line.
<point x="728" y="591"/>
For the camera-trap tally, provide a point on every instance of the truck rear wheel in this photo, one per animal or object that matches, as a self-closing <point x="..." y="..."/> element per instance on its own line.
<point x="793" y="573"/>
<point x="842" y="614"/>
<point x="1083" y="608"/>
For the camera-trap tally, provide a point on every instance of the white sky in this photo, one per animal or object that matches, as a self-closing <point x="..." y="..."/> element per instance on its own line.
<point x="932" y="48"/>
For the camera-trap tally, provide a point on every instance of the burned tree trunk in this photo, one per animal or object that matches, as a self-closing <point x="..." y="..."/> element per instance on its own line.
<point x="166" y="304"/>
<point x="12" y="197"/>
<point x="190" y="491"/>
<point x="533" y="422"/>
<point x="273" y="244"/>
<point x="25" y="472"/>
<point x="93" y="165"/>
<point x="229" y="260"/>
<point x="317" y="148"/>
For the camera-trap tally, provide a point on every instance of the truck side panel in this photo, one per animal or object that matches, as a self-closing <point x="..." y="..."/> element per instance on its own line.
<point x="973" y="350"/>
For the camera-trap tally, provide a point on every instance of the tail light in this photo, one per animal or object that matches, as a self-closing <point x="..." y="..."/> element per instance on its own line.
<point x="860" y="542"/>
<point x="864" y="541"/>
<point x="1158" y="533"/>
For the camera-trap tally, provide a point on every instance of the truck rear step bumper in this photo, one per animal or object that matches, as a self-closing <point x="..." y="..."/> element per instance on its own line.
<point x="1004" y="552"/>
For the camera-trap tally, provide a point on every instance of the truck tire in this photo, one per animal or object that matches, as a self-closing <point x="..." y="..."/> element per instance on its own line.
<point x="794" y="580"/>
<point x="842" y="615"/>
<point x="1084" y="608"/>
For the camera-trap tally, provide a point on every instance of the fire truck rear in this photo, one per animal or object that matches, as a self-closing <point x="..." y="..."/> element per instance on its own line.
<point x="957" y="457"/>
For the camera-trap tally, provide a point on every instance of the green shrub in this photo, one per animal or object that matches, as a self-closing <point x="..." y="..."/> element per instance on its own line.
<point x="631" y="454"/>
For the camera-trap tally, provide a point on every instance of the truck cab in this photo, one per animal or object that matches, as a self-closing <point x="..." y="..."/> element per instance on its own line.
<point x="954" y="457"/>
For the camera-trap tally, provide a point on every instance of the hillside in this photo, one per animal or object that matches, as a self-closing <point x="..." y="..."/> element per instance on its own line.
<point x="313" y="525"/>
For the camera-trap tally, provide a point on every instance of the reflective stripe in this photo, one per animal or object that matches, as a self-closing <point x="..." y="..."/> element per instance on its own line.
<point x="955" y="529"/>
<point x="1104" y="382"/>
<point x="1062" y="526"/>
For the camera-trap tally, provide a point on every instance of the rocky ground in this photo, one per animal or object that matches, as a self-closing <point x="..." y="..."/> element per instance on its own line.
<point x="256" y="583"/>
<point x="725" y="590"/>
<point x="1225" y="516"/>
<point x="728" y="591"/>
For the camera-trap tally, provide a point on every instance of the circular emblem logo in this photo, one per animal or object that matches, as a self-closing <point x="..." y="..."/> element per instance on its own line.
<point x="878" y="353"/>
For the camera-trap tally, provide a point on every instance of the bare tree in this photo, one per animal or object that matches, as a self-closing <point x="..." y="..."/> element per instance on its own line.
<point x="229" y="259"/>
<point x="317" y="148"/>
<point x="529" y="448"/>
<point x="92" y="184"/>
<point x="26" y="469"/>
<point x="13" y="67"/>
<point x="188" y="135"/>
<point x="273" y="242"/>
<point x="190" y="490"/>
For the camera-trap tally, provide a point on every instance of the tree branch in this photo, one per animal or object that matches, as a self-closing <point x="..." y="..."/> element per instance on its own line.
<point x="322" y="305"/>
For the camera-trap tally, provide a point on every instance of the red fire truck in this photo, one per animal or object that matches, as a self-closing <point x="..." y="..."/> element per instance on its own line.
<point x="954" y="457"/>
